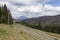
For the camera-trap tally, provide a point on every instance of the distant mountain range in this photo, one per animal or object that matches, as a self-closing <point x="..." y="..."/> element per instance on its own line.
<point x="20" y="18"/>
<point x="44" y="20"/>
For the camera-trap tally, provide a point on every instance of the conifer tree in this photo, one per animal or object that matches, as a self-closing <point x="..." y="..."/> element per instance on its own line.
<point x="0" y="15"/>
<point x="5" y="15"/>
<point x="8" y="16"/>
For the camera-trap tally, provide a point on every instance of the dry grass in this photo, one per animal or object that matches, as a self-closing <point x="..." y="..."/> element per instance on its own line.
<point x="13" y="33"/>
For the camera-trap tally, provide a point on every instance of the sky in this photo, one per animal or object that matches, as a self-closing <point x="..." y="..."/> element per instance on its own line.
<point x="32" y="8"/>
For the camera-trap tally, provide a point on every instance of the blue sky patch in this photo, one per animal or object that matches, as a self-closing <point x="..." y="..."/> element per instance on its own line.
<point x="54" y="3"/>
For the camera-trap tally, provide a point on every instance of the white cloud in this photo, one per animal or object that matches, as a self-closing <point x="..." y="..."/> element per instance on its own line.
<point x="52" y="8"/>
<point x="21" y="11"/>
<point x="31" y="8"/>
<point x="49" y="13"/>
<point x="35" y="8"/>
<point x="27" y="10"/>
<point x="2" y="3"/>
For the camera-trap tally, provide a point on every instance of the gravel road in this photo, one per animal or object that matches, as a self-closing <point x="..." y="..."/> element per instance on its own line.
<point x="36" y="33"/>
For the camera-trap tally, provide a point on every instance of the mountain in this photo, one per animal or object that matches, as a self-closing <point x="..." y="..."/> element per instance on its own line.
<point x="23" y="17"/>
<point x="45" y="23"/>
<point x="20" y="18"/>
<point x="44" y="20"/>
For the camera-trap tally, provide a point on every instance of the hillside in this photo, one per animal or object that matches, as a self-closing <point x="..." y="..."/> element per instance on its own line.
<point x="44" y="20"/>
<point x="14" y="33"/>
<point x="19" y="32"/>
<point x="20" y="18"/>
<point x="46" y="23"/>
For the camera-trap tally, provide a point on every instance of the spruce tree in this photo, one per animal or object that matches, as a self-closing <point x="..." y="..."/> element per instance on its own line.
<point x="5" y="15"/>
<point x="0" y="15"/>
<point x="8" y="19"/>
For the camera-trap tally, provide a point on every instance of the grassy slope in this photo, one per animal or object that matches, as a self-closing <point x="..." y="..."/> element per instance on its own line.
<point x="13" y="33"/>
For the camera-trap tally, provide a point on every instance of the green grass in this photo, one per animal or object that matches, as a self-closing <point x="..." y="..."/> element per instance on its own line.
<point x="2" y="32"/>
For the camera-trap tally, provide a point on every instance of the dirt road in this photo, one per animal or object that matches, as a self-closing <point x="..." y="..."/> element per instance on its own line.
<point x="37" y="33"/>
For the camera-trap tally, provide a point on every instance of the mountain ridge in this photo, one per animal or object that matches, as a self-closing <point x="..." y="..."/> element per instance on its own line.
<point x="45" y="20"/>
<point x="20" y="18"/>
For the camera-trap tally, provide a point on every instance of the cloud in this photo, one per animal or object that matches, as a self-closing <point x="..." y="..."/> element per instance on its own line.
<point x="33" y="8"/>
<point x="52" y="8"/>
<point x="29" y="1"/>
<point x="26" y="2"/>
<point x="3" y="2"/>
<point x="30" y="8"/>
<point x="27" y="10"/>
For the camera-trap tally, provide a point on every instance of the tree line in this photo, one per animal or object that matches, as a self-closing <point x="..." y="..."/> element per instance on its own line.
<point x="5" y="15"/>
<point x="54" y="28"/>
